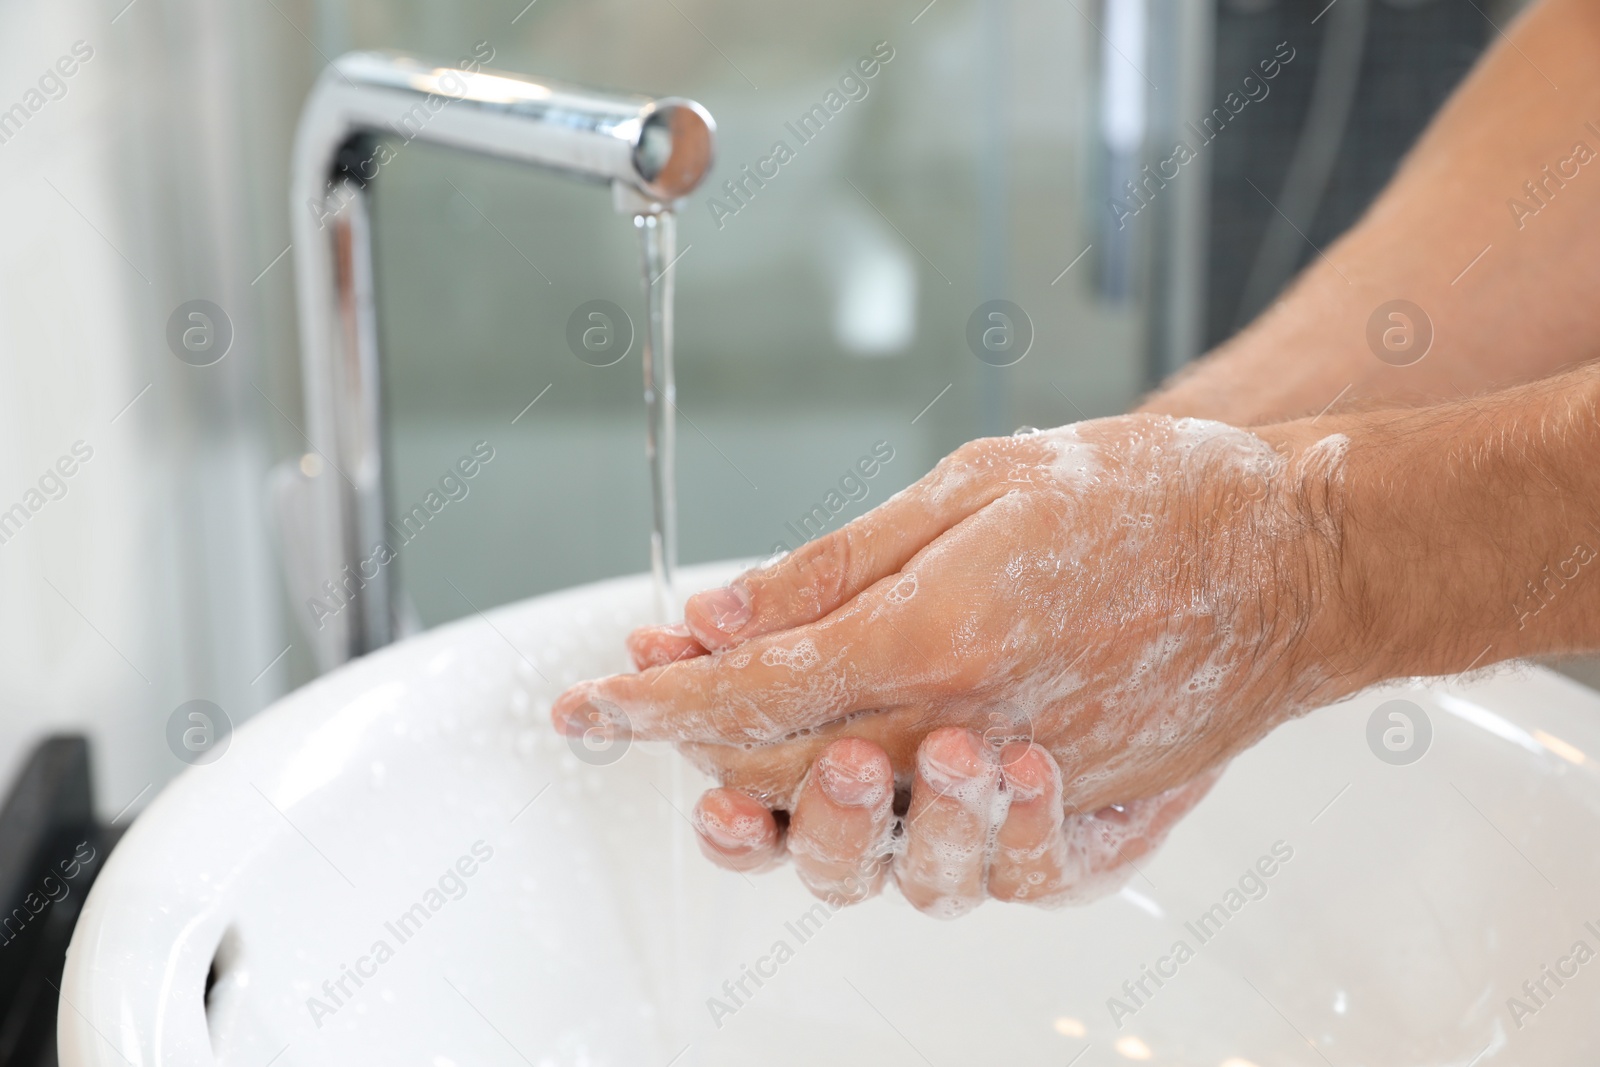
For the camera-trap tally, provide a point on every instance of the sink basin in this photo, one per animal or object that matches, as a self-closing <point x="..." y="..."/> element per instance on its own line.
<point x="402" y="863"/>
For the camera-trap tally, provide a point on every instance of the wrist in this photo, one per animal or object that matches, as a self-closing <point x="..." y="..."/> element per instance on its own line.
<point x="1329" y="643"/>
<point x="1462" y="534"/>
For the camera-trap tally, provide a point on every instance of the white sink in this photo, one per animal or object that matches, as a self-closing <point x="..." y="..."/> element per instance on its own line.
<point x="1417" y="900"/>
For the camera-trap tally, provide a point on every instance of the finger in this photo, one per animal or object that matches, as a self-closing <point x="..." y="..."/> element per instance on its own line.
<point x="736" y="831"/>
<point x="773" y="774"/>
<point x="1126" y="833"/>
<point x="822" y="575"/>
<point x="839" y="829"/>
<point x="768" y="688"/>
<point x="657" y="646"/>
<point x="1097" y="854"/>
<point x="1027" y="854"/>
<point x="952" y="814"/>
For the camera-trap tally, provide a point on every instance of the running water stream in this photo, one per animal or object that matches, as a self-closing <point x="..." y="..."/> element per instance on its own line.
<point x="658" y="238"/>
<point x="657" y="254"/>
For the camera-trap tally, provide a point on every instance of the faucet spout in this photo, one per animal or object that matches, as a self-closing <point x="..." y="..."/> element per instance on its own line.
<point x="651" y="151"/>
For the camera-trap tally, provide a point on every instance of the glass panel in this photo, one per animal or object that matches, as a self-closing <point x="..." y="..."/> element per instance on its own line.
<point x="822" y="310"/>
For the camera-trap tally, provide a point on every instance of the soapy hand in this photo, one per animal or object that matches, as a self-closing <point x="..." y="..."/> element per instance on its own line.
<point x="1049" y="646"/>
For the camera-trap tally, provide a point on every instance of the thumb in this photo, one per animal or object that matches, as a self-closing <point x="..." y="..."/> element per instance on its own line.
<point x="823" y="575"/>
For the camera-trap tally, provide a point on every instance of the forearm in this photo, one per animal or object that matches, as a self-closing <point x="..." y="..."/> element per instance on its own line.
<point x="1523" y="310"/>
<point x="1469" y="532"/>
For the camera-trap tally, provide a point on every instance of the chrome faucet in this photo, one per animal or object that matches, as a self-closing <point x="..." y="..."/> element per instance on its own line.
<point x="652" y="152"/>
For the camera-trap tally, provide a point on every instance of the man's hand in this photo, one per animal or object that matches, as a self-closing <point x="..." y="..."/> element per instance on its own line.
<point x="1001" y="600"/>
<point x="1135" y="599"/>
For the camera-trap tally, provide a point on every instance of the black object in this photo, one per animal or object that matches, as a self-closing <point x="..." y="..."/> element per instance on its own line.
<point x="1404" y="58"/>
<point x="51" y="848"/>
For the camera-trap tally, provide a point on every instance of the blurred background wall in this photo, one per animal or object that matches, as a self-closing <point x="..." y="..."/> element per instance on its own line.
<point x="825" y="318"/>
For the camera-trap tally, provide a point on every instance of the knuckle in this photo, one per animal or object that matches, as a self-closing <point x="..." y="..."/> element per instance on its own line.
<point x="840" y="554"/>
<point x="953" y="469"/>
<point x="839" y="883"/>
<point x="945" y="907"/>
<point x="834" y="896"/>
<point x="728" y="725"/>
<point x="1006" y="891"/>
<point x="771" y="780"/>
<point x="964" y="675"/>
<point x="969" y="453"/>
<point x="822" y="569"/>
<point x="812" y="580"/>
<point x="946" y="737"/>
<point x="863" y="759"/>
<point x="982" y="452"/>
